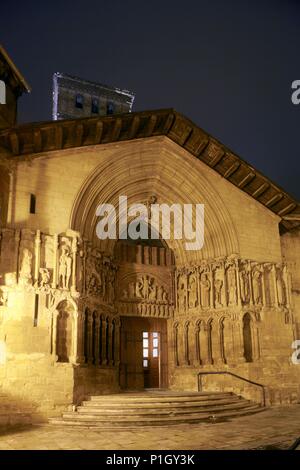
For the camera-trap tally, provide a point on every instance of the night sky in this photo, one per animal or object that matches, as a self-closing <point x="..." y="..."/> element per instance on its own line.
<point x="227" y="65"/>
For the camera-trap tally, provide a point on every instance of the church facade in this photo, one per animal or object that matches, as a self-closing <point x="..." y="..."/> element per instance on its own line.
<point x="80" y="315"/>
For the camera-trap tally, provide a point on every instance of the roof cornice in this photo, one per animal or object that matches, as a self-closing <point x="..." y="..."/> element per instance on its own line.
<point x="20" y="142"/>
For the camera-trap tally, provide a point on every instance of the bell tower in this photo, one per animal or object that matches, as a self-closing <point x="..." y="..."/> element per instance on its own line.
<point x="12" y="86"/>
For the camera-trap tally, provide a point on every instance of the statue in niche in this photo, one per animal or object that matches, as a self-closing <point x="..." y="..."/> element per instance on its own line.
<point x="257" y="287"/>
<point x="218" y="285"/>
<point x="182" y="291"/>
<point x="146" y="287"/>
<point x="280" y="289"/>
<point x="25" y="271"/>
<point x="165" y="296"/>
<point x="45" y="278"/>
<point x="138" y="289"/>
<point x="160" y="293"/>
<point x="231" y="286"/>
<point x="65" y="264"/>
<point x="193" y="294"/>
<point x="152" y="290"/>
<point x="245" y="291"/>
<point x="205" y="290"/>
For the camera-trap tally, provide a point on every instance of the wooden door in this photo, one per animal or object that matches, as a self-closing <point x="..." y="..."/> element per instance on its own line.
<point x="143" y="353"/>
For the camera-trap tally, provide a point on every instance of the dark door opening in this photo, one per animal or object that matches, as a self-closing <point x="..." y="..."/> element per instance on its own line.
<point x="143" y="353"/>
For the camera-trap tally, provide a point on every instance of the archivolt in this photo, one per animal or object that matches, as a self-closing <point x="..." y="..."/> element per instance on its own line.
<point x="173" y="176"/>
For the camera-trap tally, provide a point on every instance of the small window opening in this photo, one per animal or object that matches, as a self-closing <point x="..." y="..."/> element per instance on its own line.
<point x="79" y="101"/>
<point x="95" y="106"/>
<point x="32" y="204"/>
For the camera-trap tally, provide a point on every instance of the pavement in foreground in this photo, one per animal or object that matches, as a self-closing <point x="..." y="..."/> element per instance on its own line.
<point x="275" y="428"/>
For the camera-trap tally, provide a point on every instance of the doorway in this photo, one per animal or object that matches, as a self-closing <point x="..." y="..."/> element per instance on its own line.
<point x="143" y="353"/>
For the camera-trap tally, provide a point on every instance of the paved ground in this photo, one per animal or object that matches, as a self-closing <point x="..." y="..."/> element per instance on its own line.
<point x="272" y="428"/>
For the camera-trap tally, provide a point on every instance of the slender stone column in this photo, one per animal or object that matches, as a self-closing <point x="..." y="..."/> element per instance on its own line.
<point x="111" y="342"/>
<point x="90" y="338"/>
<point x="55" y="245"/>
<point x="263" y="285"/>
<point x="103" y="353"/>
<point x="97" y="340"/>
<point x="117" y="341"/>
<point x="287" y="286"/>
<point x="74" y="357"/>
<point x="197" y="345"/>
<point x="250" y="283"/>
<point x="37" y="254"/>
<point x="273" y="269"/>
<point x="175" y="336"/>
<point x="186" y="343"/>
<point x="238" y="286"/>
<point x="74" y="267"/>
<point x="211" y="279"/>
<point x="16" y="252"/>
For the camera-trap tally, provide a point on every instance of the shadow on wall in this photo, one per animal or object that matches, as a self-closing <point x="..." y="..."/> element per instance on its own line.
<point x="14" y="411"/>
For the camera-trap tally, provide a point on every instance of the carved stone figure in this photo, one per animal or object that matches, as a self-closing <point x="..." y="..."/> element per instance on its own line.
<point x="245" y="291"/>
<point x="231" y="286"/>
<point x="193" y="293"/>
<point x="218" y="285"/>
<point x="25" y="271"/>
<point x="65" y="265"/>
<point x="182" y="291"/>
<point x="205" y="291"/>
<point x="257" y="287"/>
<point x="45" y="278"/>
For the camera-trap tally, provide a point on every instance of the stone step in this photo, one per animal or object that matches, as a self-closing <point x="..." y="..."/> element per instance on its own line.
<point x="156" y="409"/>
<point x="131" y="422"/>
<point x="106" y="399"/>
<point x="157" y="412"/>
<point x="119" y="407"/>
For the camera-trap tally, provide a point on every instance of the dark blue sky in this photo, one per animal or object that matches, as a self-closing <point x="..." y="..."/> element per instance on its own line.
<point x="227" y="65"/>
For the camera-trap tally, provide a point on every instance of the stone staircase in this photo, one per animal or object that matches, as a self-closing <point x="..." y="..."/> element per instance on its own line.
<point x="156" y="408"/>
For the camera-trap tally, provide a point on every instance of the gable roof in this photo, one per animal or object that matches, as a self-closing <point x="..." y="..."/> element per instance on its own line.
<point x="20" y="80"/>
<point x="35" y="138"/>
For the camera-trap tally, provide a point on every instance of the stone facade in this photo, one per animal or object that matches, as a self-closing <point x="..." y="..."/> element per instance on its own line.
<point x="77" y="98"/>
<point x="73" y="308"/>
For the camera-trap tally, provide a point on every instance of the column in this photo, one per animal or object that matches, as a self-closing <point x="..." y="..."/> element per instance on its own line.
<point x="197" y="345"/>
<point x="211" y="279"/>
<point x="55" y="245"/>
<point x="111" y="342"/>
<point x="16" y="253"/>
<point x="175" y="336"/>
<point x="74" y="254"/>
<point x="117" y="341"/>
<point x="286" y="284"/>
<point x="273" y="269"/>
<point x="90" y="338"/>
<point x="186" y="343"/>
<point x="97" y="340"/>
<point x="249" y="273"/>
<point x="37" y="254"/>
<point x="103" y="331"/>
<point x="238" y="287"/>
